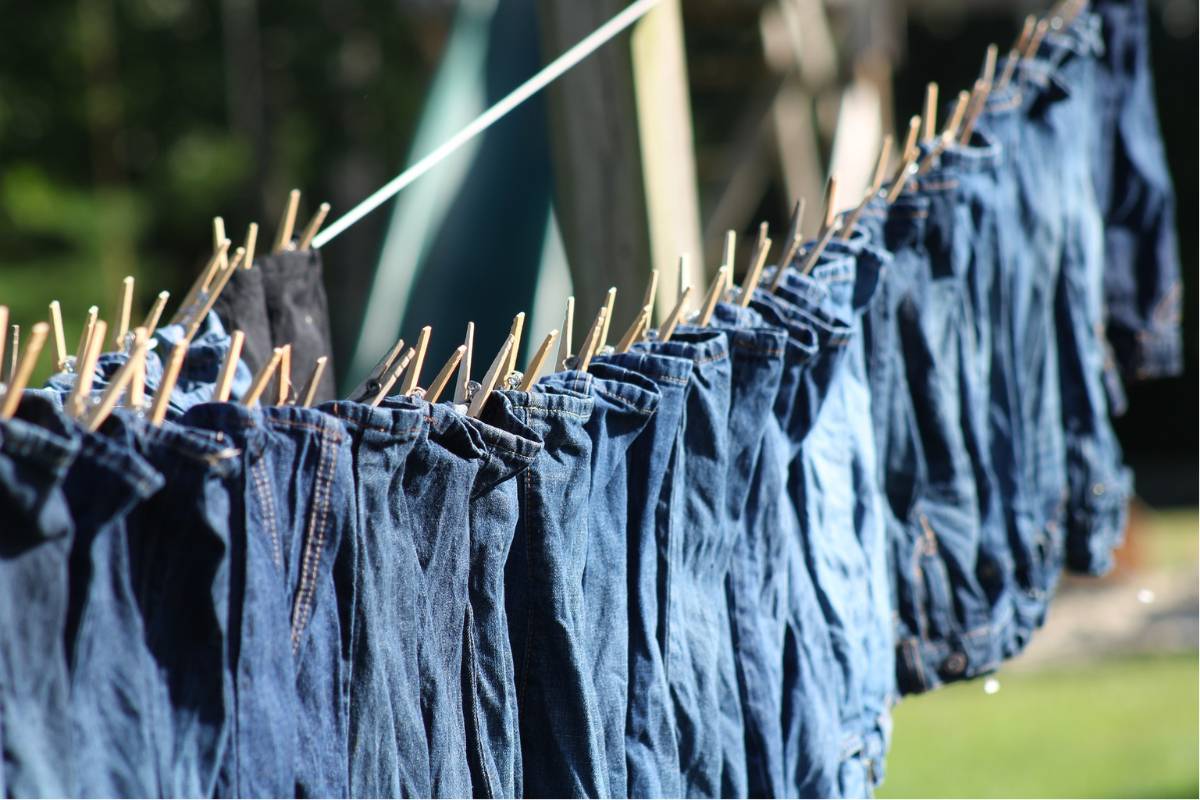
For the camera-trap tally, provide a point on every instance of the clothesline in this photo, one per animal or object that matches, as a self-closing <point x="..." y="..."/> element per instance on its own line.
<point x="547" y="75"/>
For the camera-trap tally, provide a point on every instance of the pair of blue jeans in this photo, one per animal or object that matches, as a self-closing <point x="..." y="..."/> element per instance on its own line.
<point x="37" y="447"/>
<point x="493" y="733"/>
<point x="1098" y="484"/>
<point x="562" y="734"/>
<point x="651" y="751"/>
<point x="622" y="404"/>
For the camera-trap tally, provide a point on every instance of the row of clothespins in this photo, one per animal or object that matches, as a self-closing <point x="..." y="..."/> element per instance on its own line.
<point x="502" y="371"/>
<point x="128" y="382"/>
<point x="958" y="129"/>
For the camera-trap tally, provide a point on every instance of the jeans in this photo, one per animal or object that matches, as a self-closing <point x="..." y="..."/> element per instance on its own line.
<point x="697" y="628"/>
<point x="37" y="448"/>
<point x="296" y="306"/>
<point x="1142" y="289"/>
<point x="651" y="752"/>
<point x="808" y="687"/>
<point x="622" y="404"/>
<point x="180" y="557"/>
<point x="493" y="733"/>
<point x="562" y="733"/>
<point x="1097" y="482"/>
<point x="378" y="580"/>
<point x="112" y="728"/>
<point x="757" y="352"/>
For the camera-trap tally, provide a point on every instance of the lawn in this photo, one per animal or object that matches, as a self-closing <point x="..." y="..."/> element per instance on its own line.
<point x="1123" y="728"/>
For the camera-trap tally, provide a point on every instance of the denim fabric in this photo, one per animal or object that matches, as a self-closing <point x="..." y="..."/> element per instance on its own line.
<point x="757" y="352"/>
<point x="808" y="687"/>
<point x="113" y="729"/>
<point x="37" y="448"/>
<point x="243" y="306"/>
<point x="298" y="312"/>
<point x="833" y="483"/>
<point x="562" y="732"/>
<point x="622" y="404"/>
<point x="944" y="600"/>
<point x="697" y="627"/>
<point x="651" y="753"/>
<point x="378" y="579"/>
<point x="1142" y="288"/>
<point x="439" y="475"/>
<point x="489" y="685"/>
<point x="180" y="546"/>
<point x="1098" y="484"/>
<point x="1035" y="488"/>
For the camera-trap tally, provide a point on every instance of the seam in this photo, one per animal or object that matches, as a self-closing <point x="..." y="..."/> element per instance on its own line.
<point x="315" y="541"/>
<point x="267" y="502"/>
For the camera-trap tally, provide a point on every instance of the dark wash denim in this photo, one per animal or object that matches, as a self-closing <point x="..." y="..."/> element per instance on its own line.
<point x="243" y="306"/>
<point x="298" y="312"/>
<point x="378" y="581"/>
<point x="808" y="688"/>
<point x="112" y="727"/>
<point x="180" y="557"/>
<point x="946" y="615"/>
<point x="439" y="475"/>
<point x="489" y="683"/>
<point x="1097" y="481"/>
<point x="1142" y="288"/>
<point x="651" y="752"/>
<point x="562" y="733"/>
<point x="833" y="481"/>
<point x="1035" y="488"/>
<point x="697" y="624"/>
<point x="37" y="448"/>
<point x="622" y="404"/>
<point x="757" y="352"/>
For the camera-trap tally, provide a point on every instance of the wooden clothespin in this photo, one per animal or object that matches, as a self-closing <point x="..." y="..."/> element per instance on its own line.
<point x="667" y="329"/>
<point x="377" y="373"/>
<point x="211" y="269"/>
<point x="518" y="325"/>
<point x="591" y="342"/>
<point x="491" y="378"/>
<point x="537" y="362"/>
<point x="229" y="368"/>
<point x="14" y="353"/>
<point x="283" y="238"/>
<point x="564" y="344"/>
<point x="137" y="382"/>
<point x="1014" y="55"/>
<point x="795" y="241"/>
<point x="218" y="237"/>
<point x="930" y="116"/>
<point x="829" y="227"/>
<point x="636" y="330"/>
<point x="150" y="323"/>
<point x="983" y="88"/>
<point x="414" y="373"/>
<point x="24" y="368"/>
<point x="89" y="325"/>
<point x="730" y="250"/>
<point x="610" y="299"/>
<point x="218" y="286"/>
<point x="313" y="226"/>
<point x="1035" y="41"/>
<point x="162" y="399"/>
<point x="755" y="274"/>
<point x="651" y="289"/>
<point x="60" y="340"/>
<point x="948" y="134"/>
<point x="251" y="244"/>
<point x="443" y="377"/>
<point x="462" y="385"/>
<point x="284" y="376"/>
<point x="393" y="376"/>
<point x="125" y="312"/>
<point x="715" y="290"/>
<point x="259" y="385"/>
<point x="120" y="382"/>
<point x="876" y="184"/>
<point x="85" y="371"/>
<point x="309" y="392"/>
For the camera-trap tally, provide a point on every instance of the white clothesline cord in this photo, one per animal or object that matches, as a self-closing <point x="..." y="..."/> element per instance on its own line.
<point x="549" y="73"/>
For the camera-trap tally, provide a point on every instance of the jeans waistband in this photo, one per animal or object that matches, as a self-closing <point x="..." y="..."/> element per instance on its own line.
<point x="560" y="402"/>
<point x="40" y="432"/>
<point x="402" y="423"/>
<point x="661" y="368"/>
<point x="698" y="345"/>
<point x="621" y="386"/>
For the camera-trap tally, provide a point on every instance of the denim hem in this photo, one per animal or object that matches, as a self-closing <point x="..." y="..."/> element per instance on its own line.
<point x="560" y="403"/>
<point x="622" y="388"/>
<point x="142" y="479"/>
<point x="40" y="433"/>
<point x="214" y="452"/>
<point x="922" y="664"/>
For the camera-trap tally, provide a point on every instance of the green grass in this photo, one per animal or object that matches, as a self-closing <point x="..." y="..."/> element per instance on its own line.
<point x="1125" y="728"/>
